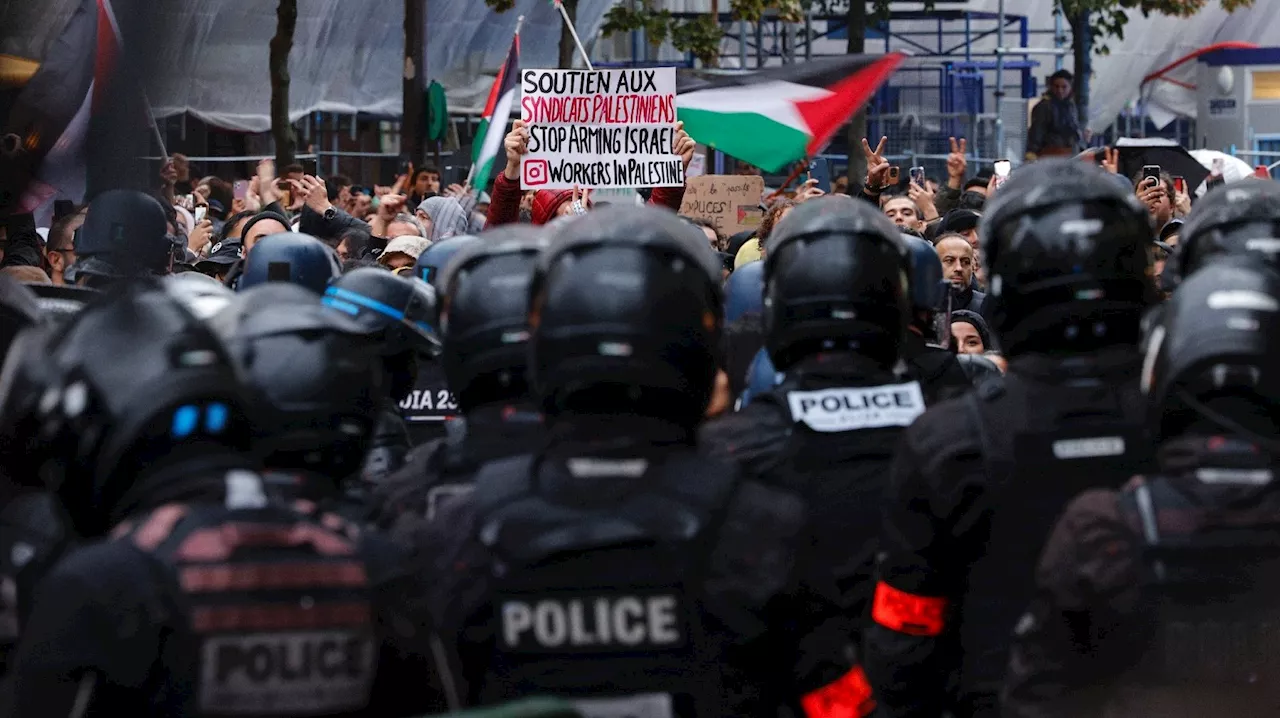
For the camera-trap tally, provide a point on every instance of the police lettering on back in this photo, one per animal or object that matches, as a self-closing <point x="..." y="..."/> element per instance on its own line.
<point x="851" y="408"/>
<point x="601" y="623"/>
<point x="322" y="670"/>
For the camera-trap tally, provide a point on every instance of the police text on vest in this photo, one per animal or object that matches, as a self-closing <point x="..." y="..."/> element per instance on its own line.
<point x="293" y="672"/>
<point x="863" y="407"/>
<point x="622" y="622"/>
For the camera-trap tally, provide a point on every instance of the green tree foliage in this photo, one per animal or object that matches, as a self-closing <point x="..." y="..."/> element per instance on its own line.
<point x="1108" y="17"/>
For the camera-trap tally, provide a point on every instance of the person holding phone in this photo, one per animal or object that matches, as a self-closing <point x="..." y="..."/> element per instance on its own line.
<point x="1154" y="188"/>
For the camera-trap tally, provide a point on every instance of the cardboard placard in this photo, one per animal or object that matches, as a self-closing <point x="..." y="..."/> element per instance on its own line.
<point x="600" y="128"/>
<point x="730" y="202"/>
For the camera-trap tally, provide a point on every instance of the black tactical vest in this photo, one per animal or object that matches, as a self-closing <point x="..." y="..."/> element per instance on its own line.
<point x="1214" y="593"/>
<point x="837" y="455"/>
<point x="273" y="610"/>
<point x="32" y="539"/>
<point x="429" y="405"/>
<point x="605" y="604"/>
<point x="1068" y="440"/>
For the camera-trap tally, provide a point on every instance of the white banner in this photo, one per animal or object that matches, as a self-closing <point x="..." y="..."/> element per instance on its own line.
<point x="600" y="128"/>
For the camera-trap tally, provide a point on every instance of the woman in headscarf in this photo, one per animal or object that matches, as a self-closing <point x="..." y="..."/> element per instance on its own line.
<point x="444" y="217"/>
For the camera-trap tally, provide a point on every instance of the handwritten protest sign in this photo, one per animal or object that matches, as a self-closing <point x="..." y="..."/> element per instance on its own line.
<point x="730" y="202"/>
<point x="600" y="128"/>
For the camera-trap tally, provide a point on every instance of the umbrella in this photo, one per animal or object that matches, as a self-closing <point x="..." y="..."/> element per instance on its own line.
<point x="1233" y="168"/>
<point x="1135" y="153"/>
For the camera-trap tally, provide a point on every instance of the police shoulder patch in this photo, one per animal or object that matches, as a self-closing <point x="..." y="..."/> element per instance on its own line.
<point x="852" y="408"/>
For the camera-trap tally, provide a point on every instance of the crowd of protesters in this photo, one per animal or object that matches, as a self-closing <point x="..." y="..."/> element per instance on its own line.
<point x="435" y="276"/>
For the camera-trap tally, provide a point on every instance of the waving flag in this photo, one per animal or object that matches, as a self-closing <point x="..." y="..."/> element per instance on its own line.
<point x="780" y="115"/>
<point x="488" y="143"/>
<point x="50" y="120"/>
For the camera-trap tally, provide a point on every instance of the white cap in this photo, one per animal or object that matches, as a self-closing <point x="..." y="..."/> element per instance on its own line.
<point x="409" y="244"/>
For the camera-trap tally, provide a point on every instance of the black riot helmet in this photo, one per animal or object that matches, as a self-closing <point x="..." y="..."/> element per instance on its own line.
<point x="19" y="309"/>
<point x="836" y="279"/>
<point x="625" y="316"/>
<point x="130" y="384"/>
<point x="484" y="307"/>
<point x="930" y="292"/>
<point x="400" y="310"/>
<point x="290" y="257"/>
<point x="125" y="234"/>
<point x="313" y="373"/>
<point x="1242" y="217"/>
<point x="1212" y="355"/>
<point x="744" y="291"/>
<point x="1065" y="250"/>
<point x="396" y="312"/>
<point x="436" y="257"/>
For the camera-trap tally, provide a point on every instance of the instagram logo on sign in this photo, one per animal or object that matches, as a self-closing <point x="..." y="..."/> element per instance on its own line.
<point x="535" y="172"/>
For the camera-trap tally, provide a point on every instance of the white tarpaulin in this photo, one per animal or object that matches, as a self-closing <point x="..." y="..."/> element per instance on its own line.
<point x="347" y="55"/>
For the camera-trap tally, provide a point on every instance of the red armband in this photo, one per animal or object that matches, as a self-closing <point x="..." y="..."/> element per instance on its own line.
<point x="907" y="613"/>
<point x="849" y="696"/>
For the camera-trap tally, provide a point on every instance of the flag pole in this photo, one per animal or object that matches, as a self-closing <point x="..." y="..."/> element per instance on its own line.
<point x="576" y="40"/>
<point x="471" y="173"/>
<point x="155" y="128"/>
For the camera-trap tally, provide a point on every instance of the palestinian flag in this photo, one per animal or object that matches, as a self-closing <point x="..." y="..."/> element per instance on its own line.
<point x="776" y="116"/>
<point x="487" y="147"/>
<point x="51" y="117"/>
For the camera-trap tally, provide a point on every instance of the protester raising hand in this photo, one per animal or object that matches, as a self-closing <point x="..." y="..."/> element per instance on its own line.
<point x="313" y="192"/>
<point x="808" y="191"/>
<point x="580" y="200"/>
<point x="877" y="165"/>
<point x="683" y="145"/>
<point x="957" y="165"/>
<point x="1111" y="160"/>
<point x="1150" y="192"/>
<point x="388" y="208"/>
<point x="1182" y="203"/>
<point x="199" y="237"/>
<point x="517" y="146"/>
<point x="924" y="200"/>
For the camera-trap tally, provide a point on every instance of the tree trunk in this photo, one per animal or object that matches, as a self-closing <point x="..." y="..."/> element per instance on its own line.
<point x="567" y="47"/>
<point x="1082" y="53"/>
<point x="856" y="23"/>
<point x="281" y="44"/>
<point x="412" y="122"/>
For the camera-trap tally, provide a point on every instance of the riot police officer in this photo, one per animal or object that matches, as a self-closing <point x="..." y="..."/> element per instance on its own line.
<point x="199" y="596"/>
<point x="1240" y="218"/>
<point x="837" y="312"/>
<point x="125" y="234"/>
<point x="484" y="331"/>
<point x="32" y="534"/>
<point x="290" y="257"/>
<point x="928" y="351"/>
<point x="620" y="566"/>
<point x="977" y="481"/>
<point x="1159" y="599"/>
<point x="431" y="404"/>
<point x="397" y="312"/>
<point x="319" y="386"/>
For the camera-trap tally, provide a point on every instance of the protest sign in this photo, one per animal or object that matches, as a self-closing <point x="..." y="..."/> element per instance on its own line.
<point x="730" y="202"/>
<point x="600" y="128"/>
